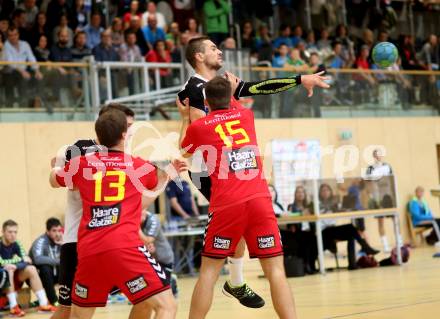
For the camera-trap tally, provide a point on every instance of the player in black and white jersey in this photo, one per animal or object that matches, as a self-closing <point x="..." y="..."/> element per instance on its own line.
<point x="73" y="213"/>
<point x="206" y="59"/>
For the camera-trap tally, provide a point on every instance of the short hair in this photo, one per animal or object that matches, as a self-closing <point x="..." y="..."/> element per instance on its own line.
<point x="17" y="12"/>
<point x="195" y="45"/>
<point x="52" y="222"/>
<point x="116" y="106"/>
<point x="12" y="29"/>
<point x="110" y="126"/>
<point x="9" y="223"/>
<point x="128" y="32"/>
<point x="218" y="93"/>
<point x="78" y="34"/>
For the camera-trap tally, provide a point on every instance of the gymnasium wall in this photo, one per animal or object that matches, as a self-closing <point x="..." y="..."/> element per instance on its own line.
<point x="28" y="147"/>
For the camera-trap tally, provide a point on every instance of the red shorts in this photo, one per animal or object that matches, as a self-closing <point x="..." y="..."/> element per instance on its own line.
<point x="254" y="220"/>
<point x="133" y="270"/>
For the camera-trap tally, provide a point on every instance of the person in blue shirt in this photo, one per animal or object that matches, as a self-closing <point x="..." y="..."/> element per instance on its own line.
<point x="284" y="37"/>
<point x="337" y="62"/>
<point x="421" y="214"/>
<point x="280" y="60"/>
<point x="93" y="31"/>
<point x="152" y="32"/>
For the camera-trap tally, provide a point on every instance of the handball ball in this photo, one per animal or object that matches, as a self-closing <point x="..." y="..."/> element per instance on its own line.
<point x="385" y="54"/>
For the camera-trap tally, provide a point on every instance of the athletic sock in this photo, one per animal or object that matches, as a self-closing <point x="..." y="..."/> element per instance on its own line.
<point x="42" y="299"/>
<point x="236" y="271"/>
<point x="12" y="297"/>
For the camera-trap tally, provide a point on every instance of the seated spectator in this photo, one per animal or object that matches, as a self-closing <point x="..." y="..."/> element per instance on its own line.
<point x="280" y="60"/>
<point x="277" y="207"/>
<point x="174" y="35"/>
<point x="332" y="233"/>
<point x="248" y="36"/>
<point x="228" y="44"/>
<point x="80" y="16"/>
<point x="383" y="36"/>
<point x="367" y="40"/>
<point x="79" y="49"/>
<point x="30" y="12"/>
<point x="152" y="11"/>
<point x="24" y="78"/>
<point x="348" y="45"/>
<point x="297" y="36"/>
<point x="39" y="29"/>
<point x="94" y="30"/>
<point x="324" y="44"/>
<point x="183" y="206"/>
<point x="421" y="215"/>
<point x="4" y="26"/>
<point x="263" y="44"/>
<point x="160" y="54"/>
<point x="430" y="54"/>
<point x="20" y="269"/>
<point x="296" y="62"/>
<point x="135" y="27"/>
<point x="60" y="51"/>
<point x="55" y="10"/>
<point x="41" y="51"/>
<point x="64" y="24"/>
<point x="105" y="51"/>
<point x="18" y="20"/>
<point x="130" y="51"/>
<point x="284" y="37"/>
<point x="364" y="80"/>
<point x="311" y="45"/>
<point x="336" y="60"/>
<point x="191" y="31"/>
<point x="134" y="11"/>
<point x="45" y="254"/>
<point x="152" y="235"/>
<point x="117" y="33"/>
<point x="216" y="19"/>
<point x="152" y="32"/>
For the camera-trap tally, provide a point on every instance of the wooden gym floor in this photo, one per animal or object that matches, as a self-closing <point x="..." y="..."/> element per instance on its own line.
<point x="408" y="292"/>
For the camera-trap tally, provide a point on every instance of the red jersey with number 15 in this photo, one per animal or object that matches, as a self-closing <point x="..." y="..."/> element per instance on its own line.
<point x="111" y="185"/>
<point x="228" y="142"/>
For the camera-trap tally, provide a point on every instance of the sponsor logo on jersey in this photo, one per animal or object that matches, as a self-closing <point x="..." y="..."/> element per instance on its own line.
<point x="136" y="284"/>
<point x="81" y="291"/>
<point x="103" y="216"/>
<point x="221" y="243"/>
<point x="242" y="159"/>
<point x="265" y="242"/>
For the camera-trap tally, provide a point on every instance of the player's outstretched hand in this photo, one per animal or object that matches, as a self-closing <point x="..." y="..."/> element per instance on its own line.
<point x="311" y="80"/>
<point x="183" y="108"/>
<point x="234" y="80"/>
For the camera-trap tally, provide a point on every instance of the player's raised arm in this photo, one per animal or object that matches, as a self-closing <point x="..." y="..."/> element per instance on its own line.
<point x="184" y="110"/>
<point x="276" y="85"/>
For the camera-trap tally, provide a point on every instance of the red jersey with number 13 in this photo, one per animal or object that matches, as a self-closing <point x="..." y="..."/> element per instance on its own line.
<point x="111" y="186"/>
<point x="228" y="142"/>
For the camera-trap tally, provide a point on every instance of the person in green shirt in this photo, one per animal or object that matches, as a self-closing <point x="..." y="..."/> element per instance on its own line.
<point x="216" y="19"/>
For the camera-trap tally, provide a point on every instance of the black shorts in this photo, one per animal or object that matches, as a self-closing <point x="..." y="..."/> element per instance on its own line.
<point x="68" y="263"/>
<point x="204" y="186"/>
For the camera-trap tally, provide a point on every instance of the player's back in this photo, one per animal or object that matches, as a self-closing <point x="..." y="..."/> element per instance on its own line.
<point x="231" y="153"/>
<point x="111" y="187"/>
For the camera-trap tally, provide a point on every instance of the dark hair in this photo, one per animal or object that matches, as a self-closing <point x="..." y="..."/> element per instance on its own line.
<point x="305" y="203"/>
<point x="9" y="223"/>
<point x="284" y="27"/>
<point x="157" y="43"/>
<point x="110" y="126"/>
<point x="322" y="187"/>
<point x="218" y="93"/>
<point x="17" y="12"/>
<point x="77" y="35"/>
<point x="335" y="43"/>
<point x="314" y="53"/>
<point x="128" y="32"/>
<point x="195" y="45"/>
<point x="52" y="222"/>
<point x="116" y="106"/>
<point x="13" y="28"/>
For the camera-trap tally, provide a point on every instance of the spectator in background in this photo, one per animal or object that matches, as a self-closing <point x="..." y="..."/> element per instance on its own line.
<point x="4" y="26"/>
<point x="134" y="11"/>
<point x="135" y="27"/>
<point x="311" y="45"/>
<point x="297" y="36"/>
<point x="248" y="37"/>
<point x="39" y="29"/>
<point x="160" y="54"/>
<point x="152" y="235"/>
<point x="421" y="214"/>
<point x="337" y="61"/>
<point x="174" y="35"/>
<point x="191" y="31"/>
<point x="94" y="30"/>
<point x="347" y="52"/>
<point x="41" y="51"/>
<point x="55" y="10"/>
<point x="80" y="16"/>
<point x="21" y="76"/>
<point x="104" y="51"/>
<point x="152" y="10"/>
<point x="20" y="269"/>
<point x="430" y="54"/>
<point x="216" y="19"/>
<point x="284" y="37"/>
<point x="152" y="32"/>
<point x="18" y="20"/>
<point x="63" y="25"/>
<point x="364" y="81"/>
<point x="117" y="33"/>
<point x="324" y="44"/>
<point x="263" y="44"/>
<point x="130" y="52"/>
<point x="30" y="12"/>
<point x="277" y="207"/>
<point x="366" y="41"/>
<point x="79" y="49"/>
<point x="228" y="44"/>
<point x="296" y="62"/>
<point x="382" y="36"/>
<point x="316" y="66"/>
<point x="280" y="59"/>
<point x="45" y="254"/>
